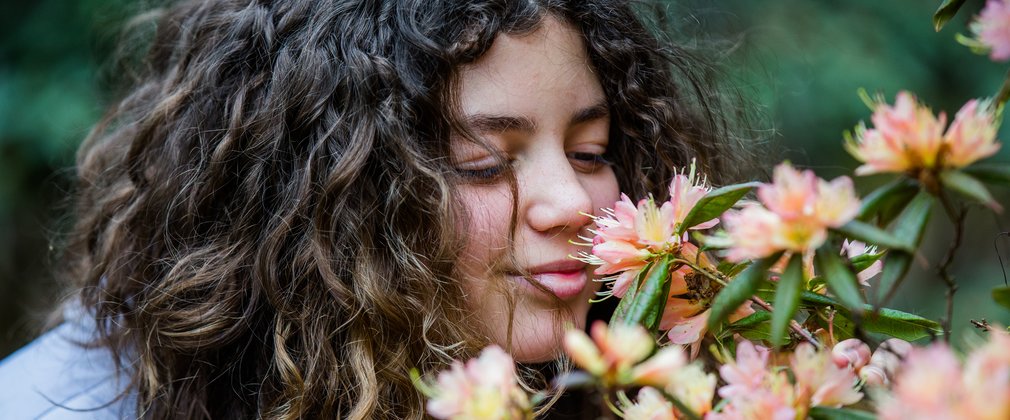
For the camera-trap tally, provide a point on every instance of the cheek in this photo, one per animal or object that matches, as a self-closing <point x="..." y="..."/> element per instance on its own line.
<point x="603" y="190"/>
<point x="485" y="236"/>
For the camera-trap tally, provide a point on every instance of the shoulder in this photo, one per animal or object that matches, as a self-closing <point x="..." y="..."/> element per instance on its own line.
<point x="54" y="377"/>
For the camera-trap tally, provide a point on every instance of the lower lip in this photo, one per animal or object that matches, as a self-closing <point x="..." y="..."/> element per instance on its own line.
<point x="563" y="284"/>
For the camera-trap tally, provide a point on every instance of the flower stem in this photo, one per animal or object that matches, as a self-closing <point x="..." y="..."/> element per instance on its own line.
<point x="957" y="217"/>
<point x="793" y="325"/>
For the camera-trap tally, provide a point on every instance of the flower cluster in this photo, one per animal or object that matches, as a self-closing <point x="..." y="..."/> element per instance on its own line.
<point x="484" y="388"/>
<point x="629" y="235"/>
<point x="618" y="355"/>
<point x="908" y="137"/>
<point x="755" y="389"/>
<point x="933" y="383"/>
<point x="798" y="208"/>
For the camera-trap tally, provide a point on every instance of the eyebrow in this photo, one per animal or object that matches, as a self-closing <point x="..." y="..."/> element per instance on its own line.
<point x="485" y="123"/>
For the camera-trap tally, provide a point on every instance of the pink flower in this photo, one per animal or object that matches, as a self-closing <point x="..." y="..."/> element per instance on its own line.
<point x="484" y="388"/>
<point x="611" y="352"/>
<point x="929" y="385"/>
<point x="992" y="27"/>
<point x="747" y="372"/>
<point x="651" y="405"/>
<point x="852" y="354"/>
<point x="885" y="361"/>
<point x="660" y="369"/>
<point x="693" y="387"/>
<point x="908" y="137"/>
<point x="820" y="380"/>
<point x="685" y="192"/>
<point x="798" y="210"/>
<point x="617" y="256"/>
<point x="972" y="135"/>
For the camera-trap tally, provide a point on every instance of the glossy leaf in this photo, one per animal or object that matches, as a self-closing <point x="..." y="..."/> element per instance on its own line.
<point x="787" y="298"/>
<point x="713" y="204"/>
<point x="872" y="235"/>
<point x="828" y="413"/>
<point x="648" y="304"/>
<point x="622" y="307"/>
<point x="863" y="261"/>
<point x="969" y="187"/>
<point x="751" y="320"/>
<point x="903" y="325"/>
<point x="946" y="11"/>
<point x="1001" y="295"/>
<point x="912" y="222"/>
<point x="739" y="289"/>
<point x="992" y="175"/>
<point x="840" y="279"/>
<point x="886" y="201"/>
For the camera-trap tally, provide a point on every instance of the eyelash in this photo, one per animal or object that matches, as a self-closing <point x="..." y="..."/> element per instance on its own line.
<point x="585" y="162"/>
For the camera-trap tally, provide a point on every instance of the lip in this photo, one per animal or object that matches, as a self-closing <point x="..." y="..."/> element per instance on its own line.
<point x="564" y="278"/>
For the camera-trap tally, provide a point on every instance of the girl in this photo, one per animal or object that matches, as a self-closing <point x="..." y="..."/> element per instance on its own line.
<point x="299" y="201"/>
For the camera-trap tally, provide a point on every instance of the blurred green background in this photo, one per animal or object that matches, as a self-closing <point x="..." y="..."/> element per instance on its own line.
<point x="799" y="62"/>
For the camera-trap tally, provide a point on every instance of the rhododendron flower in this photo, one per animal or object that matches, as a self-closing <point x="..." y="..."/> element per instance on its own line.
<point x="798" y="209"/>
<point x="693" y="387"/>
<point x="992" y="29"/>
<point x="659" y="370"/>
<point x="484" y="388"/>
<point x="630" y="234"/>
<point x="908" y="137"/>
<point x="885" y="361"/>
<point x="928" y="385"/>
<point x="650" y="405"/>
<point x="612" y="350"/>
<point x="820" y="380"/>
<point x="752" y="390"/>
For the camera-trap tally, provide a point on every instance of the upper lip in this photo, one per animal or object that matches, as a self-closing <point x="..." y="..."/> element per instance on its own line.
<point x="559" y="266"/>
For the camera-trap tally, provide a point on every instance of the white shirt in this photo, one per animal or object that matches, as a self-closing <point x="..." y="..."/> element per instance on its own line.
<point x="54" y="377"/>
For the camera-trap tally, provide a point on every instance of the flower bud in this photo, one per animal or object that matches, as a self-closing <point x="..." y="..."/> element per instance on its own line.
<point x="660" y="368"/>
<point x="584" y="353"/>
<point x="851" y="353"/>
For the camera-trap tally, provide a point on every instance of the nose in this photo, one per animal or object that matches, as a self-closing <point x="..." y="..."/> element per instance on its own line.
<point x="556" y="199"/>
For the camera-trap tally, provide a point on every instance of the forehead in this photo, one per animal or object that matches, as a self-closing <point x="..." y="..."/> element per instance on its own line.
<point x="533" y="73"/>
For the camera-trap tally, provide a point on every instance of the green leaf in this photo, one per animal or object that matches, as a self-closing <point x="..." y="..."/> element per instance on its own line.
<point x="739" y="289"/>
<point x="787" y="298"/>
<point x="969" y="187"/>
<point x="863" y="261"/>
<point x="648" y="304"/>
<point x="828" y="413"/>
<point x="992" y="175"/>
<point x="714" y="203"/>
<point x="751" y="320"/>
<point x="946" y="11"/>
<point x="887" y="200"/>
<point x="912" y="222"/>
<point x="871" y="235"/>
<point x="817" y="299"/>
<point x="841" y="281"/>
<point x="1001" y="295"/>
<point x="903" y="325"/>
<point x="622" y="307"/>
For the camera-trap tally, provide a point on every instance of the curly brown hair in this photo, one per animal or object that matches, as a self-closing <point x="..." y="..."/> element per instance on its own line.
<point x="265" y="221"/>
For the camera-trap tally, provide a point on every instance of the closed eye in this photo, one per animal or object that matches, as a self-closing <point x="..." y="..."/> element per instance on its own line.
<point x="588" y="162"/>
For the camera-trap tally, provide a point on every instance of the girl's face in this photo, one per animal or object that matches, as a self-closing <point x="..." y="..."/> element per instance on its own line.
<point x="536" y="99"/>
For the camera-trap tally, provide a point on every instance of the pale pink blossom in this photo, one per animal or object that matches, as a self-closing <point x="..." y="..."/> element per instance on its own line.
<point x="483" y="388"/>
<point x="908" y="137"/>
<point x="650" y="405"/>
<point x="885" y="362"/>
<point x="747" y="372"/>
<point x="929" y="385"/>
<point x="611" y="351"/>
<point x="905" y="137"/>
<point x="992" y="28"/>
<point x="972" y="135"/>
<point x="798" y="209"/>
<point x="820" y="380"/>
<point x="772" y="399"/>
<point x="617" y="256"/>
<point x="987" y="378"/>
<point x="685" y="192"/>
<point x="660" y="369"/>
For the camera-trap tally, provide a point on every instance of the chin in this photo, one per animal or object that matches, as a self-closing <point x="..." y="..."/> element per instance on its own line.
<point x="538" y="333"/>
